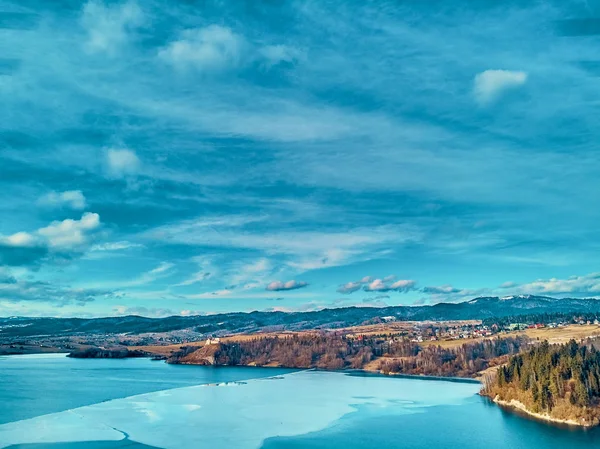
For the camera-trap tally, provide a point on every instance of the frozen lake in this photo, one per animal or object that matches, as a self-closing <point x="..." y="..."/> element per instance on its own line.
<point x="252" y="408"/>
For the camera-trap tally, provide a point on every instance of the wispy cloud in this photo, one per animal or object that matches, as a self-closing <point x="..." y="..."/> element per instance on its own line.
<point x="13" y="289"/>
<point x="300" y="250"/>
<point x="110" y="25"/>
<point x="491" y="84"/>
<point x="579" y="284"/>
<point x="122" y="162"/>
<point x="209" y="49"/>
<point x="73" y="199"/>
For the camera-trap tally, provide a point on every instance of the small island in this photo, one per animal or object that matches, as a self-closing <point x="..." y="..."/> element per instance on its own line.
<point x="555" y="383"/>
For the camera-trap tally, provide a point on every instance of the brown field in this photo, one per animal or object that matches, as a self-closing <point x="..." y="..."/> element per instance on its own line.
<point x="556" y="335"/>
<point x="561" y="334"/>
<point x="169" y="349"/>
<point x="398" y="326"/>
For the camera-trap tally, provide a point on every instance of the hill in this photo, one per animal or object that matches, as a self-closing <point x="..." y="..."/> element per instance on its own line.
<point x="218" y="324"/>
<point x="558" y="383"/>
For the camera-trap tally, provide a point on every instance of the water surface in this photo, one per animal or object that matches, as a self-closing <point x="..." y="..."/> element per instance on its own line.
<point x="257" y="408"/>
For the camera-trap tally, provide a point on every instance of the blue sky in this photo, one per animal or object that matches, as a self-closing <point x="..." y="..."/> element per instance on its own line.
<point x="180" y="157"/>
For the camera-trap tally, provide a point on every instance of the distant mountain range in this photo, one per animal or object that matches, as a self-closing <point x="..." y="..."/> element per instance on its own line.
<point x="477" y="308"/>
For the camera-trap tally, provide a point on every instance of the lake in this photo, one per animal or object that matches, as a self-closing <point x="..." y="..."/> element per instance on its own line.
<point x="53" y="402"/>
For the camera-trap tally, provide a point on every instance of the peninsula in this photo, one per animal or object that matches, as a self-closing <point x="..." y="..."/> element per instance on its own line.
<point x="556" y="383"/>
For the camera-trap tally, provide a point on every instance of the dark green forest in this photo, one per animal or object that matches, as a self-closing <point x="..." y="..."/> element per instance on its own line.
<point x="562" y="381"/>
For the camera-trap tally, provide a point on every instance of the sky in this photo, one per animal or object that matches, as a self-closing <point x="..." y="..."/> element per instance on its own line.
<point x="188" y="157"/>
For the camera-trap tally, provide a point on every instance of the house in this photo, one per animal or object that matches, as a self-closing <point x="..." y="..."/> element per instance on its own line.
<point x="213" y="341"/>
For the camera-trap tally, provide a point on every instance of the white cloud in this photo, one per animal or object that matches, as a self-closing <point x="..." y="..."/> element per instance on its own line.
<point x="252" y="274"/>
<point x="20" y="239"/>
<point x="60" y="239"/>
<point x="379" y="285"/>
<point x="109" y="26"/>
<point x="276" y="286"/>
<point x="73" y="199"/>
<point x="349" y="287"/>
<point x="69" y="234"/>
<point x="370" y="284"/>
<point x="122" y="163"/>
<point x="216" y="48"/>
<point x="403" y="285"/>
<point x="199" y="276"/>
<point x="489" y="85"/>
<point x="115" y="246"/>
<point x="276" y="54"/>
<point x="585" y="284"/>
<point x="213" y="48"/>
<point x="162" y="268"/>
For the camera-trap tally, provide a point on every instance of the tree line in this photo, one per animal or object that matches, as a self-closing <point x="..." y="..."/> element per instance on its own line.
<point x="462" y="361"/>
<point x="336" y="352"/>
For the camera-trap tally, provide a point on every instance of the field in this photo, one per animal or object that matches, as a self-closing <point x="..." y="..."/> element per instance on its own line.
<point x="555" y="335"/>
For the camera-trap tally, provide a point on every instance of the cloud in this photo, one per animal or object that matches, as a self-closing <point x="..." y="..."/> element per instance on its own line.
<point x="378" y="285"/>
<point x="109" y="26"/>
<point x="6" y="277"/>
<point x="217" y="48"/>
<point x="162" y="268"/>
<point x="300" y="250"/>
<point x="491" y="84"/>
<point x="276" y="54"/>
<point x="441" y="290"/>
<point x="199" y="276"/>
<point x="60" y="239"/>
<point x="449" y="293"/>
<point x="153" y="312"/>
<point x="115" y="246"/>
<point x="210" y="49"/>
<point x="586" y="284"/>
<point x="207" y="270"/>
<point x="349" y="287"/>
<point x="25" y="290"/>
<point x="72" y="199"/>
<point x="370" y="284"/>
<point x="377" y="301"/>
<point x="277" y="286"/>
<point x="15" y="255"/>
<point x="250" y="274"/>
<point x="69" y="234"/>
<point x="122" y="163"/>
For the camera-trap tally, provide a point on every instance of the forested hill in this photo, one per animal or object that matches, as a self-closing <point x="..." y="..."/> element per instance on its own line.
<point x="336" y="352"/>
<point x="478" y="308"/>
<point x="559" y="381"/>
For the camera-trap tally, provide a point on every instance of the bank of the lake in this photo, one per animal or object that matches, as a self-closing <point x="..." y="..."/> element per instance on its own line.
<point x="520" y="409"/>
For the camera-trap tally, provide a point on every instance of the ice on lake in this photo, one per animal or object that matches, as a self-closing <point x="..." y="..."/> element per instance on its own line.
<point x="235" y="414"/>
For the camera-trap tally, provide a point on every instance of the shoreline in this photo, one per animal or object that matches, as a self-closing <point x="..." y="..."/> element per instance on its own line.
<point x="519" y="408"/>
